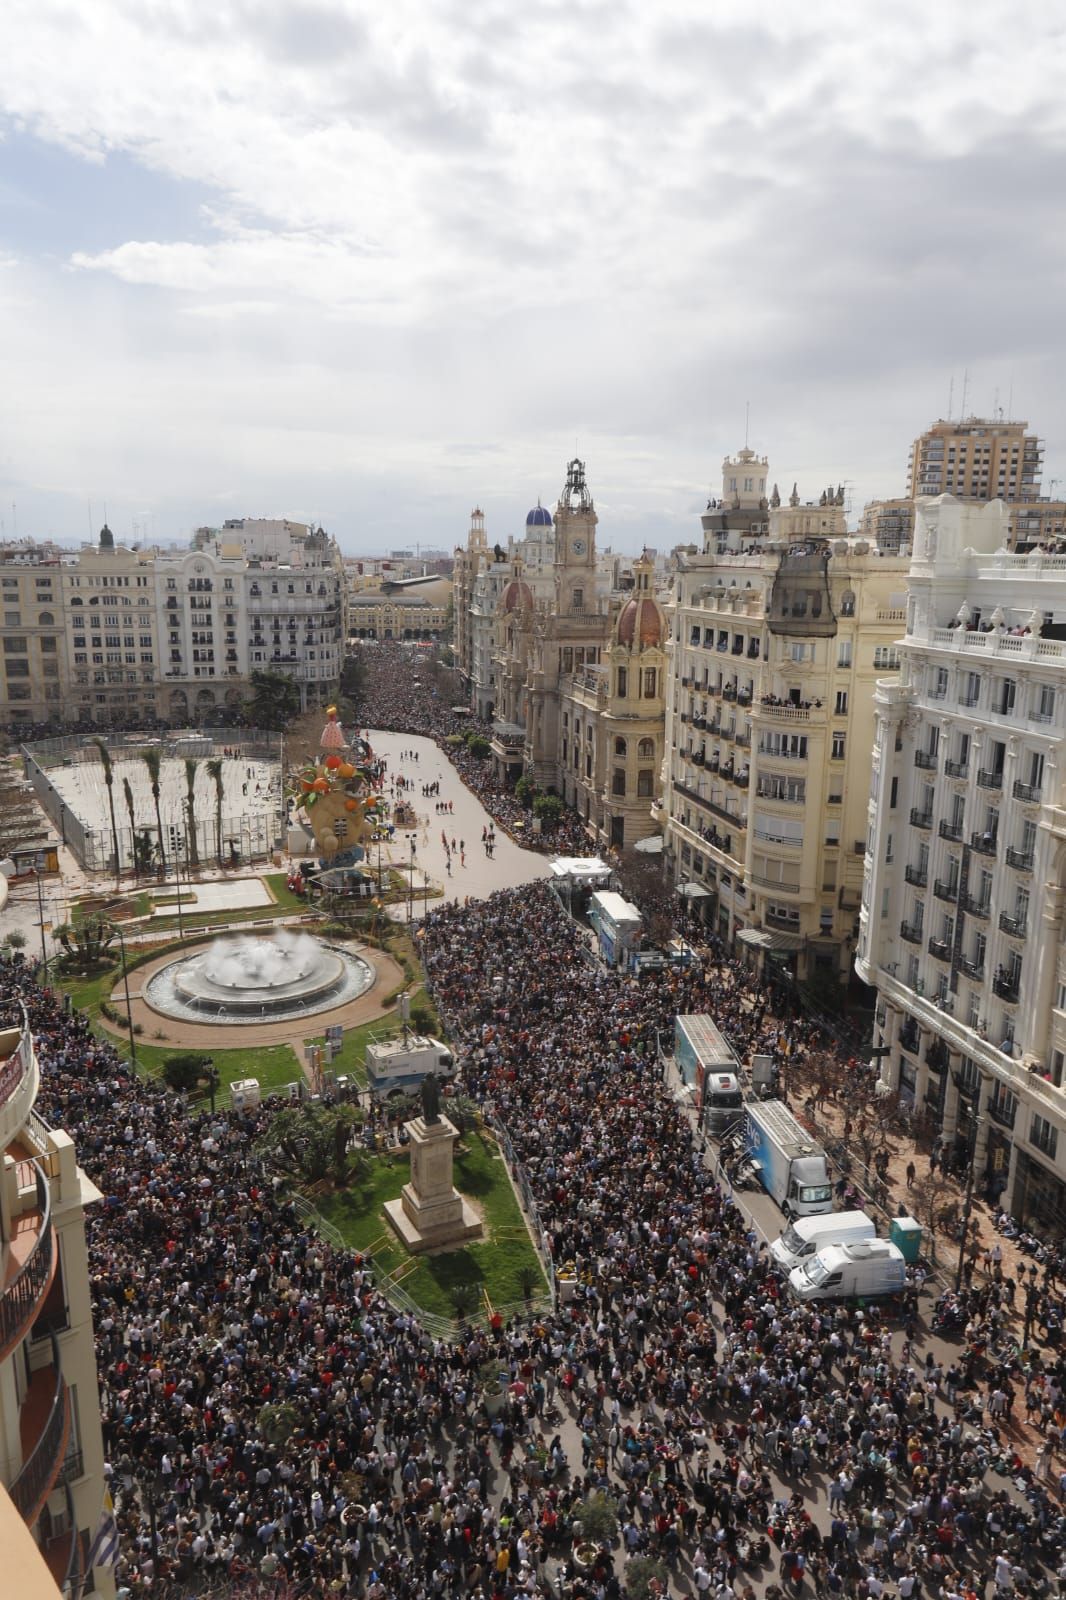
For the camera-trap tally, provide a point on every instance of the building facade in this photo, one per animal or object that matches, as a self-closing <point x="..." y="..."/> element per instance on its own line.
<point x="51" y="1447"/>
<point x="112" y="627"/>
<point x="781" y="625"/>
<point x="414" y="609"/>
<point x="978" y="459"/>
<point x="961" y="928"/>
<point x="33" y="659"/>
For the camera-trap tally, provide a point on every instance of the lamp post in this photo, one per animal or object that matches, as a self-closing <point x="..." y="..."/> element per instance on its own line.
<point x="178" y="841"/>
<point x="126" y="986"/>
<point x="411" y="884"/>
<point x="40" y="912"/>
<point x="967" y="1204"/>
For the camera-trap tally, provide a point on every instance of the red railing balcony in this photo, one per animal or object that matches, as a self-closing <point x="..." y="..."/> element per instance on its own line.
<point x="29" y="1266"/>
<point x="44" y="1429"/>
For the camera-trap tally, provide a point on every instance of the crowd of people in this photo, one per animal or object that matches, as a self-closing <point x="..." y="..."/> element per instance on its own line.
<point x="273" y="1424"/>
<point x="268" y="1415"/>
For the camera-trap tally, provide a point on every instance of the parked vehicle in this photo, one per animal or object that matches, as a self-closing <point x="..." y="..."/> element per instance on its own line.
<point x="863" y="1271"/>
<point x="397" y="1066"/>
<point x="706" y="1062"/>
<point x="792" y="1167"/>
<point x="807" y="1235"/>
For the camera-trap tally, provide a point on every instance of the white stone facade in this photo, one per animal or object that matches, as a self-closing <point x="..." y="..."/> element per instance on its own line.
<point x="961" y="928"/>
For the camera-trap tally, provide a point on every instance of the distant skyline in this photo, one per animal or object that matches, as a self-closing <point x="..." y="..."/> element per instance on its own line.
<point x="373" y="267"/>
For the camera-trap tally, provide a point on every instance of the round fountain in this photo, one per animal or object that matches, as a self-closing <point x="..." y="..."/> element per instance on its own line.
<point x="246" y="978"/>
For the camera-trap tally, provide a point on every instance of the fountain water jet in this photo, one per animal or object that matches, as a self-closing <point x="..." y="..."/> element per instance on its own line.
<point x="248" y="978"/>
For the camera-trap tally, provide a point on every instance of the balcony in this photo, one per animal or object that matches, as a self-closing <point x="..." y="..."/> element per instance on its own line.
<point x="909" y="1037"/>
<point x="18" y="1079"/>
<point x="951" y="831"/>
<point x="976" y="908"/>
<point x="956" y="769"/>
<point x="1015" y="926"/>
<point x="774" y="919"/>
<point x="44" y="1429"/>
<point x="1029" y="792"/>
<point x="1003" y="1114"/>
<point x="983" y="843"/>
<point x="30" y="1262"/>
<point x="940" y="948"/>
<point x="925" y="759"/>
<point x="946" y="889"/>
<point x="937" y="1056"/>
<point x="921" y="819"/>
<point x="911" y="931"/>
<point x="989" y="780"/>
<point x="972" y="969"/>
<point x="777" y="712"/>
<point x="1022" y="860"/>
<point x="918" y="876"/>
<point x="1006" y="986"/>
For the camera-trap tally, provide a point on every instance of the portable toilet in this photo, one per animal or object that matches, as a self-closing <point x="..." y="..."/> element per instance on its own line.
<point x="906" y="1232"/>
<point x="244" y="1094"/>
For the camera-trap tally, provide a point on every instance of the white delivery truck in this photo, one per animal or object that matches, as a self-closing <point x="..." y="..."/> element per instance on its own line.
<point x="792" y="1167"/>
<point x="707" y="1065"/>
<point x="397" y="1066"/>
<point x="807" y="1235"/>
<point x="862" y="1271"/>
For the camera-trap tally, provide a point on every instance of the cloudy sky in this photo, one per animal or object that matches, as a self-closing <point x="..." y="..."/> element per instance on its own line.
<point x="374" y="264"/>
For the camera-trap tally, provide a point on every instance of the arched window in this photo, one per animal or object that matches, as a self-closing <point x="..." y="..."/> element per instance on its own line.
<point x="579" y="599"/>
<point x="620" y="748"/>
<point x="46" y="618"/>
<point x="847" y="603"/>
<point x="646" y="750"/>
<point x="623" y="683"/>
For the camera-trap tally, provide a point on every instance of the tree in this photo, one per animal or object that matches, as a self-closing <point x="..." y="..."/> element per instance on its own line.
<point x="524" y="790"/>
<point x="645" y="1577"/>
<point x="478" y="745"/>
<point x="144" y="853"/>
<point x="275" y="700"/>
<point x="186" y="1072"/>
<point x="109" y="779"/>
<point x="311" y="1143"/>
<point x="15" y="940"/>
<point x="191" y="765"/>
<point x="215" y="771"/>
<point x="86" y="944"/>
<point x="549" y="808"/>
<point x="153" y="760"/>
<point x="277" y="1423"/>
<point x="933" y="1193"/>
<point x="127" y="795"/>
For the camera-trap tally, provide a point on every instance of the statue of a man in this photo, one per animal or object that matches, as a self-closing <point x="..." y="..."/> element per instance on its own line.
<point x="430" y="1098"/>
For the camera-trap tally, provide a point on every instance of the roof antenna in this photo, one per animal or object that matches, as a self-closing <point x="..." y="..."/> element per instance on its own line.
<point x="951" y="395"/>
<point x="747" y="421"/>
<point x="965" y="386"/>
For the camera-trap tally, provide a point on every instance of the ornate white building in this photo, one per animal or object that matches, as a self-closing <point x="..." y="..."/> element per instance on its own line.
<point x="961" y="929"/>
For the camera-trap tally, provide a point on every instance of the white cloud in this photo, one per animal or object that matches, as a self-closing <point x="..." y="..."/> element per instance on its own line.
<point x="431" y="226"/>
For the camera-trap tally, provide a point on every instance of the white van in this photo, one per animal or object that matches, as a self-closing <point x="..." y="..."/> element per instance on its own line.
<point x="850" y="1272"/>
<point x="808" y="1235"/>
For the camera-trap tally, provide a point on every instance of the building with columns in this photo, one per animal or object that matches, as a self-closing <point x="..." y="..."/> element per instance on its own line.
<point x="781" y="624"/>
<point x="961" y="927"/>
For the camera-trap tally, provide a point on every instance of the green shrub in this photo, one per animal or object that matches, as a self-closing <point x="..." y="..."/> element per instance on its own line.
<point x="185" y="1072"/>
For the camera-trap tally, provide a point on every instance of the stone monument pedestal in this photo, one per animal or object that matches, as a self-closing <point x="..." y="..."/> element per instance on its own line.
<point x="431" y="1213"/>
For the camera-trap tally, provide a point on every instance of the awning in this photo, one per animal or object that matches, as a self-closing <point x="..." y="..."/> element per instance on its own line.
<point x="694" y="891"/>
<point x="651" y="846"/>
<point x="767" y="939"/>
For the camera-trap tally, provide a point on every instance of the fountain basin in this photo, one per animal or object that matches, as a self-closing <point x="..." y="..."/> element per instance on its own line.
<point x="245" y="978"/>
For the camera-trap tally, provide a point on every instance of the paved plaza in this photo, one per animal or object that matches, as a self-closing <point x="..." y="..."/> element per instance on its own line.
<point x="509" y="865"/>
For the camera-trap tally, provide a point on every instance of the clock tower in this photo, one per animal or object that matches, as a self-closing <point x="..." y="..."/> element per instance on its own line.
<point x="575" y="545"/>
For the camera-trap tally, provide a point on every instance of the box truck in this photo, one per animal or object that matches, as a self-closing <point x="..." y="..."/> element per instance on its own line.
<point x="708" y="1066"/>
<point x="397" y="1066"/>
<point x="792" y="1167"/>
<point x="861" y="1271"/>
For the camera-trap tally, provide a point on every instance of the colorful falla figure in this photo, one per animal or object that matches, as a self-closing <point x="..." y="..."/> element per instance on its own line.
<point x="336" y="796"/>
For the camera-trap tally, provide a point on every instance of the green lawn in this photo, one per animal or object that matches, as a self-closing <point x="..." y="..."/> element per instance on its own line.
<point x="274" y="1065"/>
<point x="497" y="1265"/>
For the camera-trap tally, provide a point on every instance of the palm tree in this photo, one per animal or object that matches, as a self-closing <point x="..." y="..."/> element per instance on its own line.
<point x="215" y="770"/>
<point x="153" y="760"/>
<point x="190" y="790"/>
<point x="109" y="779"/>
<point x="127" y="793"/>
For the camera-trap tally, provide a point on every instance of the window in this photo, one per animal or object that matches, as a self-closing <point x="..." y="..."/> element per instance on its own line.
<point x="839" y="741"/>
<point x="840" y="709"/>
<point x="847" y="603"/>
<point x="646" y="750"/>
<point x="645" y="783"/>
<point x="12" y="619"/>
<point x="1044" y="1135"/>
<point x="579" y="599"/>
<point x="971" y="689"/>
<point x="623" y="683"/>
<point x="844" y="653"/>
<point x="1044" y="707"/>
<point x="939" y="687"/>
<point x="650" y="680"/>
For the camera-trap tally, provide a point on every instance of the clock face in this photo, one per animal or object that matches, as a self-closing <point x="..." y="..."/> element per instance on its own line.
<point x="578" y="547"/>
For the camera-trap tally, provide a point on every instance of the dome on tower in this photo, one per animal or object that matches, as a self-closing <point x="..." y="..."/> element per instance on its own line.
<point x="641" y="623"/>
<point x="107" y="538"/>
<point x="539" y="517"/>
<point x="517" y="596"/>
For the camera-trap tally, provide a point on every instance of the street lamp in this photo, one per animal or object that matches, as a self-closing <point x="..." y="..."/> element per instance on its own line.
<point x="126" y="985"/>
<point x="411" y="884"/>
<point x="967" y="1204"/>
<point x="178" y="841"/>
<point x="40" y="910"/>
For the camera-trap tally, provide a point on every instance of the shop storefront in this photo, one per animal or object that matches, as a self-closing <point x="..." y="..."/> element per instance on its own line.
<point x="1039" y="1196"/>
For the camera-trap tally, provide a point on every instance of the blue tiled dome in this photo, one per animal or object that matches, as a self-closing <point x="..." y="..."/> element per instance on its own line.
<point x="539" y="517"/>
